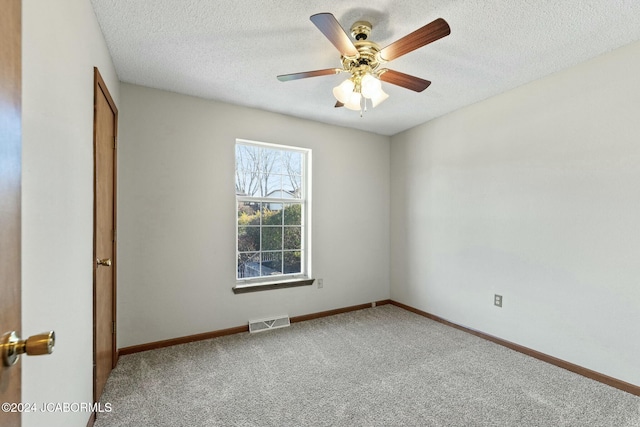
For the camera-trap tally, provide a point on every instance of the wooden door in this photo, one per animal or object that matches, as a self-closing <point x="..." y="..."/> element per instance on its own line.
<point x="10" y="204"/>
<point x="104" y="310"/>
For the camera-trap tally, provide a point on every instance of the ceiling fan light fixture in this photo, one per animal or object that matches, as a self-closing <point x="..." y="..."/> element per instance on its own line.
<point x="379" y="98"/>
<point x="370" y="86"/>
<point x="343" y="91"/>
<point x="353" y="103"/>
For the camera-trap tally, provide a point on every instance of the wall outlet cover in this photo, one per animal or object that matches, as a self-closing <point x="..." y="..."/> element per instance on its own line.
<point x="497" y="300"/>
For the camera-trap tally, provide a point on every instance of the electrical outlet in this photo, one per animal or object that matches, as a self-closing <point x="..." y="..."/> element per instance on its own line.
<point x="320" y="283"/>
<point x="497" y="300"/>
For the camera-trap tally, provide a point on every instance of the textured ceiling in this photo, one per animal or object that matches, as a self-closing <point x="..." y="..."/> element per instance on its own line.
<point x="232" y="50"/>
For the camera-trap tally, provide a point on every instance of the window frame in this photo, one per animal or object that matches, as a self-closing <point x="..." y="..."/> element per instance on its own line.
<point x="284" y="280"/>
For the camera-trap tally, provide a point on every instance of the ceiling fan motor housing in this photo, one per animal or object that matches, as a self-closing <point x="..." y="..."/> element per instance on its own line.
<point x="360" y="30"/>
<point x="367" y="61"/>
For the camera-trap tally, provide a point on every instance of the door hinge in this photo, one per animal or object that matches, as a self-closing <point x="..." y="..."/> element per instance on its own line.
<point x="114" y="326"/>
<point x="113" y="236"/>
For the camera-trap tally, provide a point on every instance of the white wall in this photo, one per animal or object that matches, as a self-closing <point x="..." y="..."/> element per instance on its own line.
<point x="534" y="195"/>
<point x="176" y="212"/>
<point x="61" y="44"/>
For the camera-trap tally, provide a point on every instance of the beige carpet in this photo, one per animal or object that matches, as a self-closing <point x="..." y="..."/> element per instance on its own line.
<point x="376" y="367"/>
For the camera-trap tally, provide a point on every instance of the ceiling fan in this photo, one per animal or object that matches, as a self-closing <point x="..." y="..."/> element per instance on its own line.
<point x="362" y="59"/>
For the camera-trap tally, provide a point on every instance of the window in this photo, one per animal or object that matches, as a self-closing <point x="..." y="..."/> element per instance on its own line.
<point x="272" y="199"/>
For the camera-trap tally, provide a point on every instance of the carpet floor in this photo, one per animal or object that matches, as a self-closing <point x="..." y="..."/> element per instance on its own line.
<point x="382" y="366"/>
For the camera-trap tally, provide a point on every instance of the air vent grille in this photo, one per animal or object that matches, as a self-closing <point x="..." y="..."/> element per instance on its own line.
<point x="266" y="324"/>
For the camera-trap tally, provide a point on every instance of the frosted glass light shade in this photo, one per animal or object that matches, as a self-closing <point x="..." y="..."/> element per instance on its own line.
<point x="380" y="96"/>
<point x="353" y="103"/>
<point x="343" y="91"/>
<point x="371" y="86"/>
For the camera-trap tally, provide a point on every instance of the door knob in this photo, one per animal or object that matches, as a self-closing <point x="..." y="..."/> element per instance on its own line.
<point x="106" y="262"/>
<point x="12" y="346"/>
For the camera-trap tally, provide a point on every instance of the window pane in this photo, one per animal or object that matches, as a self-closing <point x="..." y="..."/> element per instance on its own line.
<point x="273" y="185"/>
<point x="276" y="161"/>
<point x="247" y="184"/>
<point x="248" y="213"/>
<point x="292" y="262"/>
<point x="247" y="158"/>
<point x="272" y="214"/>
<point x="249" y="239"/>
<point x="292" y="214"/>
<point x="292" y="186"/>
<point x="269" y="160"/>
<point x="292" y="163"/>
<point x="293" y="238"/>
<point x="271" y="263"/>
<point x="249" y="265"/>
<point x="272" y="238"/>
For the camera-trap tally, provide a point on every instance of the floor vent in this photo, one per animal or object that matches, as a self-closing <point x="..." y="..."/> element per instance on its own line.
<point x="266" y="324"/>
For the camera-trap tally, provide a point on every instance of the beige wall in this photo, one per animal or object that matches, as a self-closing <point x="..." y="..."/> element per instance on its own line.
<point x="532" y="194"/>
<point x="176" y="212"/>
<point x="62" y="43"/>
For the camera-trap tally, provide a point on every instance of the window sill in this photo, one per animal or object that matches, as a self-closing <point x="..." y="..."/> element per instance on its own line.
<point x="256" y="287"/>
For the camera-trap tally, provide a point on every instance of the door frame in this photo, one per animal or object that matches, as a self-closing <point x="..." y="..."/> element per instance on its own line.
<point x="100" y="86"/>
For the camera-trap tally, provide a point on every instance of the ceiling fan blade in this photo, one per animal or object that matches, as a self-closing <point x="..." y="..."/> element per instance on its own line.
<point x="405" y="80"/>
<point x="304" y="75"/>
<point x="338" y="104"/>
<point x="330" y="27"/>
<point x="420" y="37"/>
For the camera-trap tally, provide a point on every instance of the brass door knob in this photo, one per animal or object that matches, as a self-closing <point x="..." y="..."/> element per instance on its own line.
<point x="12" y="346"/>
<point x="106" y="262"/>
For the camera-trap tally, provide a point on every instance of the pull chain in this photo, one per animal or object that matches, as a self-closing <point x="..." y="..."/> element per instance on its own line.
<point x="363" y="106"/>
